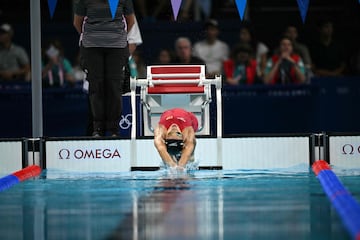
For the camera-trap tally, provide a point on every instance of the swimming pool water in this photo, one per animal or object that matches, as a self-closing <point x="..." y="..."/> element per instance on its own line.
<point x="161" y="205"/>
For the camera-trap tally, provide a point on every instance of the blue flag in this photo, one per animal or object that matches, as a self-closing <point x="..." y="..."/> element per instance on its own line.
<point x="241" y="5"/>
<point x="113" y="6"/>
<point x="303" y="7"/>
<point x="52" y="6"/>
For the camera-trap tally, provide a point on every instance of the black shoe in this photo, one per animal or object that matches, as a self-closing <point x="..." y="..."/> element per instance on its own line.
<point x="96" y="134"/>
<point x="114" y="134"/>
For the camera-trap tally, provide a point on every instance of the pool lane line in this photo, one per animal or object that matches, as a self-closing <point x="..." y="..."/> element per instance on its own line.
<point x="345" y="204"/>
<point x="19" y="176"/>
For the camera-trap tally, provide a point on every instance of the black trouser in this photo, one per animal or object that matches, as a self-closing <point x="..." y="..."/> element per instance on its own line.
<point x="126" y="85"/>
<point x="105" y="68"/>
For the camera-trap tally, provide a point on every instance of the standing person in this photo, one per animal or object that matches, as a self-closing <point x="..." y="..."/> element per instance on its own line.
<point x="105" y="52"/>
<point x="134" y="39"/>
<point x="212" y="50"/>
<point x="174" y="137"/>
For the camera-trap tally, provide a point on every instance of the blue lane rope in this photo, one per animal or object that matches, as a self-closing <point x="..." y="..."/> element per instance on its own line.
<point x="342" y="200"/>
<point x="7" y="182"/>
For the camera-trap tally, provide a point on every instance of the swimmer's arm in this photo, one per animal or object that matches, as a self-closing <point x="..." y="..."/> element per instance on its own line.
<point x="159" y="142"/>
<point x="189" y="146"/>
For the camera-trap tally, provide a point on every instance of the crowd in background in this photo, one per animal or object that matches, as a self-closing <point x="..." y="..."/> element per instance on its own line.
<point x="264" y="48"/>
<point x="249" y="60"/>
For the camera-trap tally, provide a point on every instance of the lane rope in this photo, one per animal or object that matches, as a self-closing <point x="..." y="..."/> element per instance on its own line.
<point x="342" y="200"/>
<point x="19" y="176"/>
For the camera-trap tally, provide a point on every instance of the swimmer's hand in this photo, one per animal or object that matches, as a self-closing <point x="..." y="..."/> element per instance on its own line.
<point x="177" y="169"/>
<point x="180" y="169"/>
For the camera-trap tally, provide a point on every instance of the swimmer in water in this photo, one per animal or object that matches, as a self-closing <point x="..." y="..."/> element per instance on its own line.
<point x="174" y="137"/>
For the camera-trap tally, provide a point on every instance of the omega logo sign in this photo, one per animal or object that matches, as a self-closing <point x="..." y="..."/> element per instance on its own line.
<point x="89" y="154"/>
<point x="349" y="149"/>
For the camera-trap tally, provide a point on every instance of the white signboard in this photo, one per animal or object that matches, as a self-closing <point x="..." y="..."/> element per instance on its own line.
<point x="88" y="155"/>
<point x="231" y="154"/>
<point x="344" y="151"/>
<point x="11" y="157"/>
<point x="265" y="152"/>
<point x="205" y="153"/>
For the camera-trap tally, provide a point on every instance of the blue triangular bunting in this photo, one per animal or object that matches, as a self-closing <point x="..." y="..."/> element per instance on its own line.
<point x="175" y="4"/>
<point x="52" y="6"/>
<point x="303" y="7"/>
<point x="113" y="6"/>
<point x="241" y="5"/>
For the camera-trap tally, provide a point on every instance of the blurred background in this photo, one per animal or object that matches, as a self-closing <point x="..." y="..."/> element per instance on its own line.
<point x="322" y="104"/>
<point x="267" y="18"/>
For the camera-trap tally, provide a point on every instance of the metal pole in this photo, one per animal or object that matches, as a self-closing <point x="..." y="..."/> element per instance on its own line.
<point x="35" y="28"/>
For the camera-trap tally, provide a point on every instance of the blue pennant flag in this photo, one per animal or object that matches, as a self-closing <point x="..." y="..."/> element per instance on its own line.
<point x="52" y="6"/>
<point x="303" y="7"/>
<point x="241" y="5"/>
<point x="113" y="6"/>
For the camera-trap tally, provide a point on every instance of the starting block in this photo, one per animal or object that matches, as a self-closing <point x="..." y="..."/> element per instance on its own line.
<point x="176" y="86"/>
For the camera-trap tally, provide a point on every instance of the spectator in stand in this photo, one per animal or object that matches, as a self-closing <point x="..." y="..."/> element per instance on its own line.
<point x="78" y="71"/>
<point x="134" y="39"/>
<point x="299" y="48"/>
<point x="156" y="8"/>
<point x="57" y="70"/>
<point x="14" y="61"/>
<point x="355" y="62"/>
<point x="202" y="9"/>
<point x="327" y="54"/>
<point x="140" y="65"/>
<point x="212" y="50"/>
<point x="247" y="36"/>
<point x="286" y="66"/>
<point x="241" y="68"/>
<point x="164" y="57"/>
<point x="184" y="52"/>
